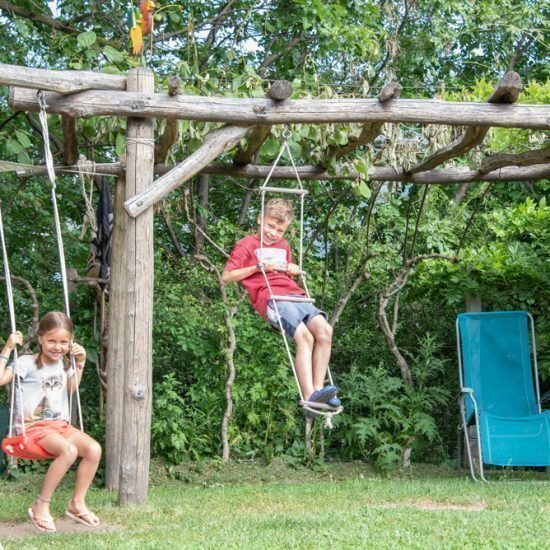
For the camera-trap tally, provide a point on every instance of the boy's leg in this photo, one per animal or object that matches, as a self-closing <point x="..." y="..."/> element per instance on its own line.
<point x="321" y="331"/>
<point x="304" y="352"/>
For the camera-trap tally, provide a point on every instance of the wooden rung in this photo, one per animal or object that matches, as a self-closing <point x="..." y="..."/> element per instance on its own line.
<point x="284" y="190"/>
<point x="320" y="406"/>
<point x="302" y="299"/>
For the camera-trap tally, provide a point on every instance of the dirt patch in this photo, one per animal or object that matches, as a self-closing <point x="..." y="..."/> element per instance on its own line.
<point x="434" y="505"/>
<point x="64" y="525"/>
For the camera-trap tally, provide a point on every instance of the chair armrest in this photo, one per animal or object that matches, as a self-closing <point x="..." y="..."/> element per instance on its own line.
<point x="467" y="390"/>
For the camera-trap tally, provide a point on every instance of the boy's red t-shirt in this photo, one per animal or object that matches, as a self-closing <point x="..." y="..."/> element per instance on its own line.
<point x="248" y="252"/>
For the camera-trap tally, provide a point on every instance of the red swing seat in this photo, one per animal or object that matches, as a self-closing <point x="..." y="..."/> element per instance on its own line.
<point x="22" y="446"/>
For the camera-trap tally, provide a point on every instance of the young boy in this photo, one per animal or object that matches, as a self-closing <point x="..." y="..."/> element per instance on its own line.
<point x="306" y="324"/>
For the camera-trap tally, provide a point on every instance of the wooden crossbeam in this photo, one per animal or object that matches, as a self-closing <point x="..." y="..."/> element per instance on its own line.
<point x="509" y="172"/>
<point x="384" y="173"/>
<point x="62" y="82"/>
<point x="248" y="111"/>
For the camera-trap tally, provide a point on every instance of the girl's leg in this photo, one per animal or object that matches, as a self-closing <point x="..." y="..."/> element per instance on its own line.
<point x="90" y="452"/>
<point x="322" y="333"/>
<point x="66" y="453"/>
<point x="304" y="349"/>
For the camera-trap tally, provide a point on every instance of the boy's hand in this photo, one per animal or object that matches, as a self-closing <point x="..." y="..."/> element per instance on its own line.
<point x="16" y="338"/>
<point x="269" y="268"/>
<point x="292" y="269"/>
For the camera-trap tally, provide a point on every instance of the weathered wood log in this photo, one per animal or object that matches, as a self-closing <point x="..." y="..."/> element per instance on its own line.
<point x="62" y="82"/>
<point x="138" y="304"/>
<point x="473" y="136"/>
<point x="256" y="137"/>
<point x="174" y="85"/>
<point x="25" y="171"/>
<point x="116" y="355"/>
<point x="381" y="173"/>
<point x="308" y="173"/>
<point x="528" y="158"/>
<point x="266" y="111"/>
<point x="506" y="91"/>
<point x="392" y="90"/>
<point x="171" y="131"/>
<point x="168" y="138"/>
<point x="367" y="135"/>
<point x="279" y="91"/>
<point x="214" y="145"/>
<point x="70" y="141"/>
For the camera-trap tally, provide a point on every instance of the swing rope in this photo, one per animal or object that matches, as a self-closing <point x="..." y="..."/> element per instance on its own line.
<point x="16" y="385"/>
<point x="59" y="239"/>
<point x="321" y="409"/>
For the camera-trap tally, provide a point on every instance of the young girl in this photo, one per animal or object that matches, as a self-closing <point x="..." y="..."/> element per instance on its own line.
<point x="46" y="379"/>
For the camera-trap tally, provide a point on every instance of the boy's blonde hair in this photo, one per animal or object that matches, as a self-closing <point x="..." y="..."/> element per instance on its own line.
<point x="280" y="209"/>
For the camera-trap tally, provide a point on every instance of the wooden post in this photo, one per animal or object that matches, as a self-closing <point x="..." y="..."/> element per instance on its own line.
<point x="137" y="287"/>
<point x="115" y="353"/>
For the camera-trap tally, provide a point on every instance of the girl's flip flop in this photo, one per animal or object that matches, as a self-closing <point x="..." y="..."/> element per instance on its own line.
<point x="42" y="524"/>
<point x="86" y="518"/>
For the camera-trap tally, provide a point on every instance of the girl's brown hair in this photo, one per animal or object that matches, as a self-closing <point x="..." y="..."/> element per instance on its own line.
<point x="54" y="320"/>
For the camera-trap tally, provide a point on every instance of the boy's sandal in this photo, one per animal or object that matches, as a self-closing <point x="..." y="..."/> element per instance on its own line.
<point x="45" y="525"/>
<point x="86" y="518"/>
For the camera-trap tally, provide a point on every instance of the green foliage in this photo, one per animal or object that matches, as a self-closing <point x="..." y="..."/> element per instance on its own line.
<point x="176" y="431"/>
<point x="384" y="416"/>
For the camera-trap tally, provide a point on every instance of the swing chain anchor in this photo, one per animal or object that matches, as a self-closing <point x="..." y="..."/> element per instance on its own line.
<point x="41" y="100"/>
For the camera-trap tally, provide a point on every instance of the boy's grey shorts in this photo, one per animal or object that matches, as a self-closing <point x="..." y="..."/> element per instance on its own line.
<point x="292" y="314"/>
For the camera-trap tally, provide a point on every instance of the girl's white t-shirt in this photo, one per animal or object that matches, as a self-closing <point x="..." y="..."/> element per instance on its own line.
<point x="43" y="391"/>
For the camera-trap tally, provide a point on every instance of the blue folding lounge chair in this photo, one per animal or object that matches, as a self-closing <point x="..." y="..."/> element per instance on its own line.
<point x="500" y="390"/>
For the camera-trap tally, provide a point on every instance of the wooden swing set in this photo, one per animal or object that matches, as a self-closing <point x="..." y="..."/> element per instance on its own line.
<point x="74" y="94"/>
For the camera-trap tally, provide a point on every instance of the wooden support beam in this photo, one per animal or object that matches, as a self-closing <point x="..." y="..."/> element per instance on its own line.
<point x="279" y="91"/>
<point x="247" y="111"/>
<point x="528" y="158"/>
<point x="215" y="143"/>
<point x="392" y="90"/>
<point x="473" y="136"/>
<point x="62" y="82"/>
<point x="70" y="141"/>
<point x="172" y="129"/>
<point x="507" y="91"/>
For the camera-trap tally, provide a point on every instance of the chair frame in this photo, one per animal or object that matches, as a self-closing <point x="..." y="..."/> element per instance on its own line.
<point x="469" y="392"/>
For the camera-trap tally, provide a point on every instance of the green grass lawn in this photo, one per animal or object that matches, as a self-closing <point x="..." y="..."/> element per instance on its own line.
<point x="276" y="506"/>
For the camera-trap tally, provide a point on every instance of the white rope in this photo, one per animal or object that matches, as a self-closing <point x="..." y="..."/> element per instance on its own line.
<point x="86" y="167"/>
<point x="15" y="382"/>
<point x="59" y="239"/>
<point x="150" y="142"/>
